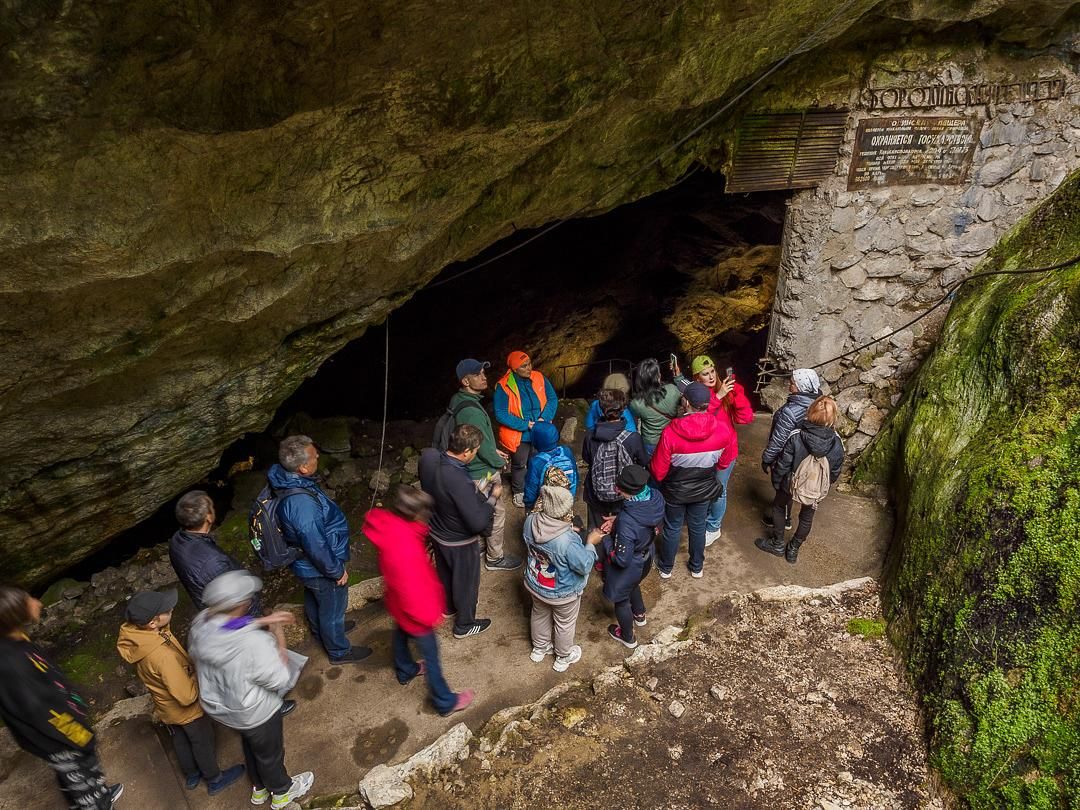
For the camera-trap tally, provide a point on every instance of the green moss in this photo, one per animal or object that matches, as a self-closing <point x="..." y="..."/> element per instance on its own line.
<point x="92" y="660"/>
<point x="983" y="581"/>
<point x="867" y="628"/>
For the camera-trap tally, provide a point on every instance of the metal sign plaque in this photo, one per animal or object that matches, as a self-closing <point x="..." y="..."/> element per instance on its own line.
<point x="910" y="151"/>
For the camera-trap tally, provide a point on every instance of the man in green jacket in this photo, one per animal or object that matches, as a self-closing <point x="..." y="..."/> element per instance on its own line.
<point x="489" y="462"/>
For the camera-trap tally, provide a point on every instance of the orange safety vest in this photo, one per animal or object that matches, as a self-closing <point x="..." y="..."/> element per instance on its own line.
<point x="508" y="437"/>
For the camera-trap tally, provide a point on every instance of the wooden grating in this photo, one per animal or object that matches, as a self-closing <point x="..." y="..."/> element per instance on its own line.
<point x="786" y="150"/>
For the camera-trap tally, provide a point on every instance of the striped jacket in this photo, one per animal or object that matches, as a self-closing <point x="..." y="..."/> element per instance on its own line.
<point x="691" y="449"/>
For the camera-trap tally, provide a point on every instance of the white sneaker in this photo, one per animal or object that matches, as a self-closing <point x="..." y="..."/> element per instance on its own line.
<point x="536" y="656"/>
<point x="712" y="536"/>
<point x="664" y="574"/>
<point x="259" y="796"/>
<point x="562" y="664"/>
<point x="519" y="500"/>
<point x="301" y="784"/>
<point x="698" y="574"/>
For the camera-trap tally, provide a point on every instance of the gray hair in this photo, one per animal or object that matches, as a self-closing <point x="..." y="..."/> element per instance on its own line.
<point x="292" y="452"/>
<point x="193" y="509"/>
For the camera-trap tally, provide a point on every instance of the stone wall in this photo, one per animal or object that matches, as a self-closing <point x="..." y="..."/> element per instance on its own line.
<point x="858" y="264"/>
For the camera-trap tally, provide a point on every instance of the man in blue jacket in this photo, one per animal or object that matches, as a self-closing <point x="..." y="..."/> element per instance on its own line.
<point x="317" y="525"/>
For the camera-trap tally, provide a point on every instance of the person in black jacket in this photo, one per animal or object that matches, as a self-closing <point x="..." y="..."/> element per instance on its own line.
<point x="814" y="437"/>
<point x="43" y="712"/>
<point x="461" y="514"/>
<point x="803" y="388"/>
<point x="611" y="430"/>
<point x="193" y="550"/>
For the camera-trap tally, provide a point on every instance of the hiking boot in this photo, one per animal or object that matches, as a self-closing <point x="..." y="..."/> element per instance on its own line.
<point x="115" y="792"/>
<point x="767" y="520"/>
<point x="536" y="656"/>
<point x="711" y="536"/>
<point x="226" y="778"/>
<point x="792" y="552"/>
<point x="259" y="796"/>
<point x="615" y="632"/>
<point x="301" y="784"/>
<point x="355" y="655"/>
<point x="563" y="663"/>
<point x="349" y="626"/>
<point x="772" y="544"/>
<point x="192" y="782"/>
<point x="478" y="627"/>
<point x="287" y="707"/>
<point x="519" y="500"/>
<point x="507" y="562"/>
<point x="640" y="620"/>
<point x="464" y="699"/>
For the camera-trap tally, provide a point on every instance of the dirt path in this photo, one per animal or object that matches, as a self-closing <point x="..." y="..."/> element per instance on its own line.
<point x="351" y="718"/>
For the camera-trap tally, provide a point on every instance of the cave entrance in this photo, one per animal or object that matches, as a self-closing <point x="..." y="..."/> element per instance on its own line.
<point x="689" y="270"/>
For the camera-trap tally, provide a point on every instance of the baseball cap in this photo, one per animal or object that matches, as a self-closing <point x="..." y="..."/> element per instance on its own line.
<point x="697" y="394"/>
<point x="701" y="362"/>
<point x="230" y="589"/>
<point x="470" y="366"/>
<point x="145" y="605"/>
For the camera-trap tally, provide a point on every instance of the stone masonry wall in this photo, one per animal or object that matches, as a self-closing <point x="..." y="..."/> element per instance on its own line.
<point x="857" y="264"/>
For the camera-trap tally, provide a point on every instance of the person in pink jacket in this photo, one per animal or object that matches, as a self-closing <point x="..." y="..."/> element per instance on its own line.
<point x="413" y="595"/>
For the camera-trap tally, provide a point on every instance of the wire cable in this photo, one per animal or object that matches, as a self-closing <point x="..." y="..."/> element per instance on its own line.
<point x="385" y="411"/>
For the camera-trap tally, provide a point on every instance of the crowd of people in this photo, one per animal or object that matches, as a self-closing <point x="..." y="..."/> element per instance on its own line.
<point x="659" y="455"/>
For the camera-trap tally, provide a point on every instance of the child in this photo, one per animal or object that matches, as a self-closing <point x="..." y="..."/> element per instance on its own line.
<point x="414" y="597"/>
<point x="163" y="665"/>
<point x="44" y="714"/>
<point x="549" y="454"/>
<point x="555" y="575"/>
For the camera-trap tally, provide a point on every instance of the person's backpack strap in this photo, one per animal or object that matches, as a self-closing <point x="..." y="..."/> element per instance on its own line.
<point x="467" y="403"/>
<point x="281" y="495"/>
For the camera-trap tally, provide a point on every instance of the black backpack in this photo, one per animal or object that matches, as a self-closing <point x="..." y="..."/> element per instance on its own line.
<point x="448" y="421"/>
<point x="264" y="528"/>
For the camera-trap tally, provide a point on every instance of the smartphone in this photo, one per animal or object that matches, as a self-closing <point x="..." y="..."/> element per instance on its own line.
<point x="729" y="372"/>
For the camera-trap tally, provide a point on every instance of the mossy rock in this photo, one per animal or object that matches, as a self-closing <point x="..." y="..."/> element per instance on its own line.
<point x="983" y="580"/>
<point x="55" y="591"/>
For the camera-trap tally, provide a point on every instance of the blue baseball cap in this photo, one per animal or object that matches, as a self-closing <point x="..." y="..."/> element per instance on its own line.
<point x="697" y="394"/>
<point x="470" y="366"/>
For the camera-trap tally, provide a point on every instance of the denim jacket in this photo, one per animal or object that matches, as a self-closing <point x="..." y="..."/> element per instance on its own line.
<point x="560" y="566"/>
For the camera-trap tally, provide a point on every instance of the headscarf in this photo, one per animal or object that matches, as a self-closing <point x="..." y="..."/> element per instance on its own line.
<point x="806" y="380"/>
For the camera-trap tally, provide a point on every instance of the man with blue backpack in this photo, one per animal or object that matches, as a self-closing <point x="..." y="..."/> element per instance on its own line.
<point x="316" y="533"/>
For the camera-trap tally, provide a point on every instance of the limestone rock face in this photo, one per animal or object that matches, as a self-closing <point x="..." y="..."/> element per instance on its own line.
<point x="200" y="201"/>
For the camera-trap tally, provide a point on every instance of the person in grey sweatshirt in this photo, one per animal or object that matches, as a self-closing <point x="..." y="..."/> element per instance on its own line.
<point x="243" y="676"/>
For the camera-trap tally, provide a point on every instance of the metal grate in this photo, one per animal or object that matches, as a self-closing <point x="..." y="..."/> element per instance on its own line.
<point x="786" y="150"/>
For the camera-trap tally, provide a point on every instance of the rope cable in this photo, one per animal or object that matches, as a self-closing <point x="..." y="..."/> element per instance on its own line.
<point x="385" y="411"/>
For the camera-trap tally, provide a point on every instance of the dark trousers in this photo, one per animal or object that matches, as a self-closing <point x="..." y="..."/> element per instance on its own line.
<point x="694" y="515"/>
<point x="459" y="571"/>
<point x="442" y="698"/>
<point x="194" y="745"/>
<point x="324" y="606"/>
<point x="781" y="506"/>
<point x="264" y="756"/>
<point x="634" y="605"/>
<point x="598" y="510"/>
<point x="81" y="780"/>
<point x="519" y="461"/>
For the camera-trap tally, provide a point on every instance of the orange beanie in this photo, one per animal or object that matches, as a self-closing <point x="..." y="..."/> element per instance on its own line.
<point x="515" y="360"/>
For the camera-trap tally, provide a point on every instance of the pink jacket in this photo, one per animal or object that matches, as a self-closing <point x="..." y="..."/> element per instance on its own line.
<point x="691" y="449"/>
<point x="735" y="409"/>
<point x="413" y="594"/>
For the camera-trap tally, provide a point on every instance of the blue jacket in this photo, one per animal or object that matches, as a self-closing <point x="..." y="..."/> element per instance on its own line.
<point x="530" y="407"/>
<point x="558" y="567"/>
<point x="594" y="415"/>
<point x="315" y="524"/>
<point x="550" y="452"/>
<point x="629" y="547"/>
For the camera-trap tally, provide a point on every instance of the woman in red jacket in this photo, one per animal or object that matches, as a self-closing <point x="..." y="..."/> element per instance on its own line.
<point x="413" y="595"/>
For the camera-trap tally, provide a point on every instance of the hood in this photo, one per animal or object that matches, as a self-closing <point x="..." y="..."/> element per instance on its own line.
<point x="383" y="528"/>
<point x="545" y="436"/>
<point x="802" y="399"/>
<point x="545" y="528"/>
<point x="211" y="643"/>
<point x="134" y="643"/>
<point x="647" y="513"/>
<point x="818" y="439"/>
<point x="608" y="431"/>
<point x="280" y="478"/>
<point x="694" y="427"/>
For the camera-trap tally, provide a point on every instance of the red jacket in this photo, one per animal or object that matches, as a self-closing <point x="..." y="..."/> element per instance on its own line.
<point x="413" y="594"/>
<point x="691" y="449"/>
<point x="735" y="409"/>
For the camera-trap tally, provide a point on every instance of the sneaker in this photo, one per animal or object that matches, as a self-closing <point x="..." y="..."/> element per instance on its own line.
<point x="478" y="627"/>
<point x="301" y="784"/>
<point x="711" y="536"/>
<point x="349" y="626"/>
<point x="562" y="664"/>
<point x="115" y="792"/>
<point x="259" y="796"/>
<point x="536" y="656"/>
<point x="615" y="632"/>
<point x="664" y="574"/>
<point x="226" y="778"/>
<point x="464" y="699"/>
<point x="507" y="562"/>
<point x="192" y="782"/>
<point x="697" y="574"/>
<point x="640" y="621"/>
<point x="421" y="668"/>
<point x="353" y="656"/>
<point x="287" y="707"/>
<point x="519" y="500"/>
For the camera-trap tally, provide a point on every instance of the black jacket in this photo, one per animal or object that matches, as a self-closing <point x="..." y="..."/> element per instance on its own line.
<point x="785" y="420"/>
<point x="41" y="709"/>
<point x="808" y="439"/>
<point x="461" y="512"/>
<point x="629" y="547"/>
<point x="603" y="433"/>
<point x="198" y="560"/>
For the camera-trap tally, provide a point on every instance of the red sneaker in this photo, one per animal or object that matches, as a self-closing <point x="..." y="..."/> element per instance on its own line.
<point x="464" y="699"/>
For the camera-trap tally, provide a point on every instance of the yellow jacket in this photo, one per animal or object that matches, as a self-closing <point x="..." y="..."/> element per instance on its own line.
<point x="164" y="667"/>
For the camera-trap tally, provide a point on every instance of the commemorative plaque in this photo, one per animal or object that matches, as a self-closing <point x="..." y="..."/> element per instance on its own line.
<point x="912" y="150"/>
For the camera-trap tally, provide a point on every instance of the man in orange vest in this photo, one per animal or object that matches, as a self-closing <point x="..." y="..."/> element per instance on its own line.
<point x="523" y="397"/>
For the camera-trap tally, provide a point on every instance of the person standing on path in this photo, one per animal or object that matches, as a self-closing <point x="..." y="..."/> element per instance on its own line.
<point x="549" y="454"/>
<point x="314" y="523"/>
<point x="193" y="550"/>
<point x="42" y="710"/>
<point x="242" y="678"/>
<point x="460" y="514"/>
<point x="619" y="382"/>
<point x="803" y="388"/>
<point x="691" y="449"/>
<point x="413" y="595"/>
<point x="489" y="461"/>
<point x="556" y="574"/>
<point x="163" y="666"/>
<point x="729" y="403"/>
<point x="607" y="449"/>
<point x="523" y="397"/>
<point x="655" y="402"/>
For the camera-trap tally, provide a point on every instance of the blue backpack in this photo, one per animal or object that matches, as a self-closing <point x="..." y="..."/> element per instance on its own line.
<point x="264" y="528"/>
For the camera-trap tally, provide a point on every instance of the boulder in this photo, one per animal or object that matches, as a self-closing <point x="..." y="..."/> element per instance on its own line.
<point x="383" y="786"/>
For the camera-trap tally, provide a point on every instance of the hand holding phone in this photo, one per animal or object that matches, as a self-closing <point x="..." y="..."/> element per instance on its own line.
<point x="674" y="362"/>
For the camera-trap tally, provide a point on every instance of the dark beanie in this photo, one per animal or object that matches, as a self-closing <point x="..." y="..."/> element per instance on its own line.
<point x="632" y="479"/>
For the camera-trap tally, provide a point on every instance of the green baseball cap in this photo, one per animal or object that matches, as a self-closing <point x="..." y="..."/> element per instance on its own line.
<point x="701" y="362"/>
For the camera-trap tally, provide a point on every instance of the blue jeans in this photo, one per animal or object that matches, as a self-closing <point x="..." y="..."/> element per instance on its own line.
<point x="675" y="514"/>
<point x="406" y="668"/>
<point x="719" y="507"/>
<point x="324" y="606"/>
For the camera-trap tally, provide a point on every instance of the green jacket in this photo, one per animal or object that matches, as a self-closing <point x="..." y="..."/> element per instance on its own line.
<point x="487" y="461"/>
<point x="652" y="419"/>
